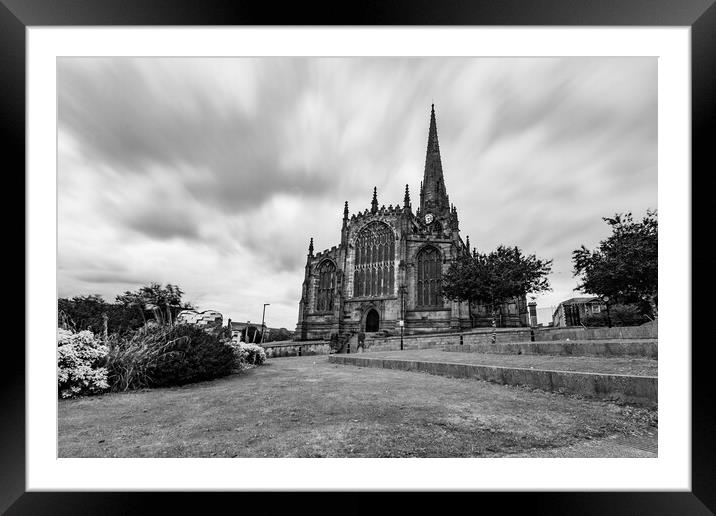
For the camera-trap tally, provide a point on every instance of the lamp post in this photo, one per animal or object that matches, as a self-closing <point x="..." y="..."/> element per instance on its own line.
<point x="401" y="323"/>
<point x="609" y="319"/>
<point x="263" y="317"/>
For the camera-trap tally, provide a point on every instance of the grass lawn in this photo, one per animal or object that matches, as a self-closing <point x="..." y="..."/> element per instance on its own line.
<point x="306" y="407"/>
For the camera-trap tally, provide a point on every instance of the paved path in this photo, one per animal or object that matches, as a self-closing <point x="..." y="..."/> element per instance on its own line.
<point x="613" y="446"/>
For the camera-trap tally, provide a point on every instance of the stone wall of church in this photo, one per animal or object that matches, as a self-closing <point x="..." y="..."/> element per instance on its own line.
<point x="349" y="312"/>
<point x="313" y="324"/>
<point x="355" y="311"/>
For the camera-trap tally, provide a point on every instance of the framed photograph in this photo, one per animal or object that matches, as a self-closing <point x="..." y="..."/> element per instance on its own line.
<point x="360" y="189"/>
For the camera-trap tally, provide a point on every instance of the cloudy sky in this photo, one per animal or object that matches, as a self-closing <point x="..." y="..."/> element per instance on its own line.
<point x="214" y="173"/>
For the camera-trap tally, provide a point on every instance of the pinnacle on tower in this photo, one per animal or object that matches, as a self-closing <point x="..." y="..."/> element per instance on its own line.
<point x="406" y="199"/>
<point x="310" y="248"/>
<point x="467" y="242"/>
<point x="374" y="202"/>
<point x="345" y="211"/>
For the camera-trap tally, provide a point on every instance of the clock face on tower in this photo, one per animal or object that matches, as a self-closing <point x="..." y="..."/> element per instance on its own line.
<point x="428" y="218"/>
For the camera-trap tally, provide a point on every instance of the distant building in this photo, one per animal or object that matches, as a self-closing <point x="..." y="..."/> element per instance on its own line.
<point x="572" y="311"/>
<point x="251" y="332"/>
<point x="240" y="331"/>
<point x="205" y="319"/>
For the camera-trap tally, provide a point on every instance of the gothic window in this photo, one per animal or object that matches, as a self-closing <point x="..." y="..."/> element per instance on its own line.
<point x="429" y="277"/>
<point x="374" y="261"/>
<point x="326" y="286"/>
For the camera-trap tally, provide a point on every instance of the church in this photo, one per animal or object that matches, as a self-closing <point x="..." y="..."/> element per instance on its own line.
<point x="388" y="268"/>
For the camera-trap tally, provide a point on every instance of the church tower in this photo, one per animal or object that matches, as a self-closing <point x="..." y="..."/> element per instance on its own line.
<point x="434" y="200"/>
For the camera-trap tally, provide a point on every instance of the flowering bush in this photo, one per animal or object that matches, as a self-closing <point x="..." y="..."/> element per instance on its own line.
<point x="78" y="358"/>
<point x="248" y="353"/>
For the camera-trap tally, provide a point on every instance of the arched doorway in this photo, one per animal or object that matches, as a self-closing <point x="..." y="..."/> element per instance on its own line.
<point x="372" y="320"/>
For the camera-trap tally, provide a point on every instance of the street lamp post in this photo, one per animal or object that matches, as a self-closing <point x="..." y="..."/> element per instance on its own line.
<point x="263" y="317"/>
<point x="402" y="314"/>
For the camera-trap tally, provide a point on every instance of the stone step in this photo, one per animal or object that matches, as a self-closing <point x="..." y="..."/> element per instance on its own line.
<point x="638" y="390"/>
<point x="636" y="366"/>
<point x="635" y="348"/>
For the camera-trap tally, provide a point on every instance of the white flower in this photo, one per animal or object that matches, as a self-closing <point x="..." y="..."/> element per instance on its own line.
<point x="77" y="357"/>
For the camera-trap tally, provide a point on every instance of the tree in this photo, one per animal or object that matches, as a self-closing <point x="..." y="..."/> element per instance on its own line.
<point x="624" y="268"/>
<point x="87" y="313"/>
<point x="127" y="314"/>
<point x="163" y="302"/>
<point x="132" y="301"/>
<point x="278" y="335"/>
<point x="494" y="278"/>
<point x="619" y="315"/>
<point x="82" y="312"/>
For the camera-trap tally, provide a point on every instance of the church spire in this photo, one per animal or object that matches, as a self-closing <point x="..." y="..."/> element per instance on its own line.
<point x="374" y="202"/>
<point x="433" y="197"/>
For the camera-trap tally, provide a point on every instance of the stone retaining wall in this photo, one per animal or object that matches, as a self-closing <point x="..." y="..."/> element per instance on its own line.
<point x="634" y="348"/>
<point x="645" y="331"/>
<point x="439" y="340"/>
<point x="510" y="335"/>
<point x="638" y="390"/>
<point x="479" y="337"/>
<point x="297" y="349"/>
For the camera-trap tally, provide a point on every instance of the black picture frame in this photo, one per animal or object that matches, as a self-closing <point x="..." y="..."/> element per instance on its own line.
<point x="700" y="15"/>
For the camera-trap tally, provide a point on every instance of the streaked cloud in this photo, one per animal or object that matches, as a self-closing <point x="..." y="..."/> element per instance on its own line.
<point x="213" y="173"/>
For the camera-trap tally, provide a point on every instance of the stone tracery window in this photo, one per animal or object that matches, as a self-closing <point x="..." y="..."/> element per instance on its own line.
<point x="374" y="273"/>
<point x="326" y="286"/>
<point x="429" y="265"/>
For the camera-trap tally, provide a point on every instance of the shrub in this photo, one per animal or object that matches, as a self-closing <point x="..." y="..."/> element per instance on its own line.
<point x="252" y="354"/>
<point x="167" y="355"/>
<point x="595" y="320"/>
<point x="79" y="356"/>
<point x="238" y="357"/>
